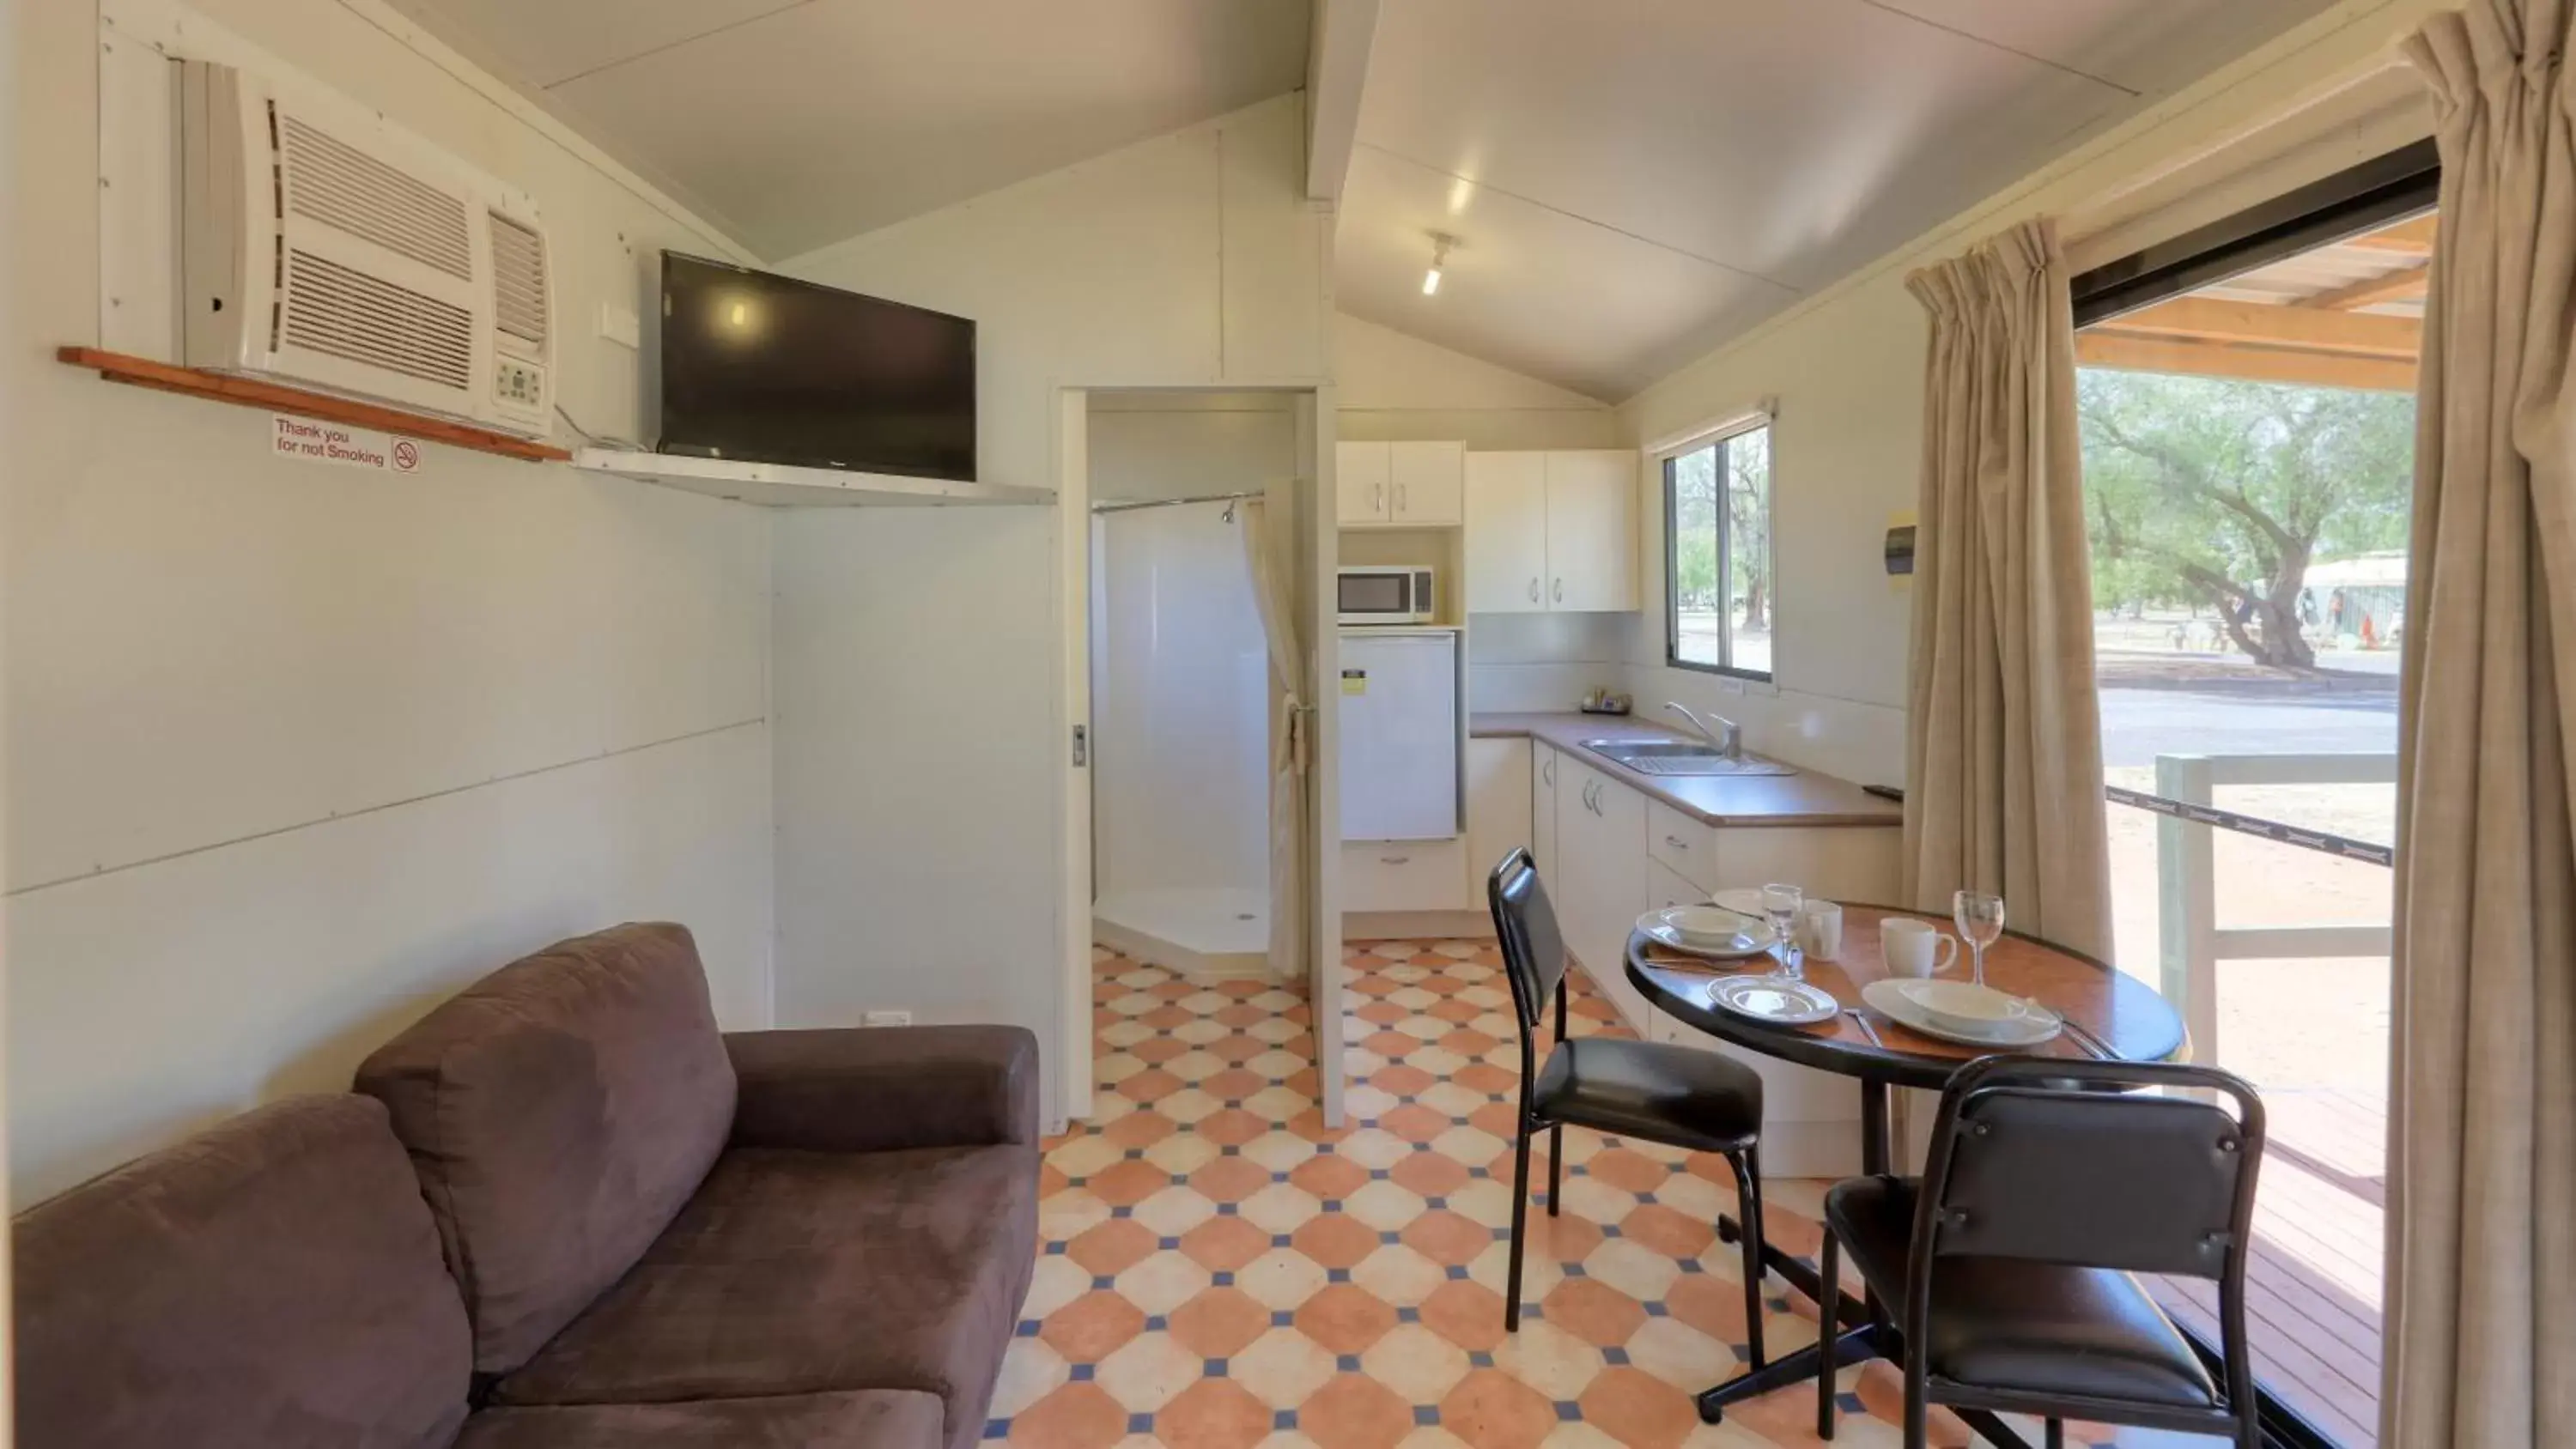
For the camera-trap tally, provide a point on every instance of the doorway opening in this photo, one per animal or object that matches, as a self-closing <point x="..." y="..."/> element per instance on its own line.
<point x="2247" y="411"/>
<point x="1195" y="881"/>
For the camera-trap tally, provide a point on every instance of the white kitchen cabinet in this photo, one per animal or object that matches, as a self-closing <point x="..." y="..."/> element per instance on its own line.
<point x="1506" y="533"/>
<point x="1361" y="472"/>
<point x="1551" y="532"/>
<point x="1400" y="485"/>
<point x="1404" y="875"/>
<point x="1499" y="806"/>
<point x="1601" y="848"/>
<point x="1592" y="531"/>
<point x="1426" y="484"/>
<point x="1543" y="768"/>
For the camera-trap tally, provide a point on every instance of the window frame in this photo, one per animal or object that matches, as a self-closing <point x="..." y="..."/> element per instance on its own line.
<point x="1668" y="457"/>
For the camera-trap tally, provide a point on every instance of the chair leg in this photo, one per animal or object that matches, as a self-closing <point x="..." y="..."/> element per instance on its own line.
<point x="1748" y="1205"/>
<point x="1830" y="1275"/>
<point x="1555" y="1167"/>
<point x="1918" y="1406"/>
<point x="2056" y="1434"/>
<point x="1520" y="1224"/>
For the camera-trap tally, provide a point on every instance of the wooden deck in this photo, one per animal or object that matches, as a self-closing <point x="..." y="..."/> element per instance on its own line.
<point x="2313" y="1289"/>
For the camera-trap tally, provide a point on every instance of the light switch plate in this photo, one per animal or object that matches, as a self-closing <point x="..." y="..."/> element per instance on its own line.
<point x="620" y="325"/>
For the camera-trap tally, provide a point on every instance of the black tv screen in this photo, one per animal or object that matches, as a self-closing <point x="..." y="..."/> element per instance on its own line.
<point x="768" y="369"/>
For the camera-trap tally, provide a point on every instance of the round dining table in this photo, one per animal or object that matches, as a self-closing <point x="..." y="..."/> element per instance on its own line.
<point x="2109" y="1017"/>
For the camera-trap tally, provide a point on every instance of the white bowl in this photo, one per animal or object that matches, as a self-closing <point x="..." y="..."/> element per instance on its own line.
<point x="1705" y="925"/>
<point x="1965" y="1007"/>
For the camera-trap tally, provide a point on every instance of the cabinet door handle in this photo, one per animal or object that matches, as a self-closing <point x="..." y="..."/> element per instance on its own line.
<point x="1399" y="498"/>
<point x="1533" y="588"/>
<point x="1560" y="591"/>
<point x="1676" y="842"/>
<point x="1395" y="860"/>
<point x="1547" y="769"/>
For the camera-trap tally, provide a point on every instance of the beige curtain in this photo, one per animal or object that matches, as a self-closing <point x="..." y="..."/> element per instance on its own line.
<point x="2003" y="735"/>
<point x="2481" y="1289"/>
<point x="1266" y="552"/>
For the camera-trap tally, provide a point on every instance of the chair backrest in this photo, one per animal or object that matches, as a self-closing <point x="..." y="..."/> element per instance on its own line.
<point x="1525" y="924"/>
<point x="2061" y="1162"/>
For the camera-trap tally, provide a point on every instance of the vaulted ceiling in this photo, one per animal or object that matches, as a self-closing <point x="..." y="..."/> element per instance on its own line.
<point x="1631" y="182"/>
<point x="798" y="123"/>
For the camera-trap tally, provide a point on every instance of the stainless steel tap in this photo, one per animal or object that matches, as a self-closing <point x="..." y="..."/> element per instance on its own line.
<point x="1728" y="736"/>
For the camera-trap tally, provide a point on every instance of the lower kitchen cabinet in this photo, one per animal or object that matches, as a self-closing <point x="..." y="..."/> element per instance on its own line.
<point x="1501" y="807"/>
<point x="1608" y="854"/>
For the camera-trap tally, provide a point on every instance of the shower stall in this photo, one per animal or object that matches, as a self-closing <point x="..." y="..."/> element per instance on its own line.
<point x="1180" y="764"/>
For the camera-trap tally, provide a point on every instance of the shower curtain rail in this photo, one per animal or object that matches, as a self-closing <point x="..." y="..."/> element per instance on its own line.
<point x="1125" y="507"/>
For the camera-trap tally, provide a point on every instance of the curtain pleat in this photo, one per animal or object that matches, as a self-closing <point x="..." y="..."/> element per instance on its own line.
<point x="1288" y="743"/>
<point x="2480" y="1348"/>
<point x="2003" y="730"/>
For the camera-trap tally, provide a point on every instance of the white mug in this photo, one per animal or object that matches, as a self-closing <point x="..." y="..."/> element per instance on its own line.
<point x="1915" y="948"/>
<point x="1820" y="931"/>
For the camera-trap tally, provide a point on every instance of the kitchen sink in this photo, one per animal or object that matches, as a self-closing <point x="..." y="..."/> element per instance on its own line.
<point x="1681" y="758"/>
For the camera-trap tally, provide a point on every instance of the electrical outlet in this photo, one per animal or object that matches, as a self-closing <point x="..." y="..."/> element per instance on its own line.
<point x="886" y="1018"/>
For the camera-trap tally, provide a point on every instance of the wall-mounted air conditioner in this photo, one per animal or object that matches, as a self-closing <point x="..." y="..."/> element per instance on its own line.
<point x="324" y="247"/>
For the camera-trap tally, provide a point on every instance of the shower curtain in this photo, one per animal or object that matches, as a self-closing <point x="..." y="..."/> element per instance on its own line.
<point x="1264" y="548"/>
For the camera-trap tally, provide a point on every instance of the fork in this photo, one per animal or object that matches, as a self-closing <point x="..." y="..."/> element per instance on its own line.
<point x="1866" y="1029"/>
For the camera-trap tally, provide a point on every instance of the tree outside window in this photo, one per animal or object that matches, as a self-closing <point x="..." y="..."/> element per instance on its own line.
<point x="1718" y="565"/>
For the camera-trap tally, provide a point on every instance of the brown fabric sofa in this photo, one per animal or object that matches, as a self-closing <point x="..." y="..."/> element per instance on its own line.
<point x="563" y="1212"/>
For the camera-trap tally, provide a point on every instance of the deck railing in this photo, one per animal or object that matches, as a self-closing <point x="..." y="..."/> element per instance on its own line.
<point x="2192" y="942"/>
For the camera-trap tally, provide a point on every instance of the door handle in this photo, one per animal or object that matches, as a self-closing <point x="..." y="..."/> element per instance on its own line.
<point x="1399" y="498"/>
<point x="1533" y="588"/>
<point x="1547" y="769"/>
<point x="1676" y="842"/>
<point x="1377" y="498"/>
<point x="1395" y="860"/>
<point x="1560" y="591"/>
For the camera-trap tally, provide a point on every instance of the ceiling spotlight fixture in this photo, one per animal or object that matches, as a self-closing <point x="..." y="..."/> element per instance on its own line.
<point x="1441" y="242"/>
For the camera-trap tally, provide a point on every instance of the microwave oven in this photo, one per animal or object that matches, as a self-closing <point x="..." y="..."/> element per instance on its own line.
<point x="1387" y="594"/>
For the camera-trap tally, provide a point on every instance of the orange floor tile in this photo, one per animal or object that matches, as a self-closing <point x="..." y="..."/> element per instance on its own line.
<point x="1219" y="1271"/>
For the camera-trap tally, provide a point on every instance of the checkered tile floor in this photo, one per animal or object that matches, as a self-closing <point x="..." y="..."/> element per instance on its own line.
<point x="1219" y="1271"/>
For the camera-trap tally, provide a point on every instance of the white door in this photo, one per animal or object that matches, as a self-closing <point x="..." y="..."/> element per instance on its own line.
<point x="1499" y="806"/>
<point x="1427" y="483"/>
<point x="1506" y="512"/>
<point x="1360" y="482"/>
<point x="1592" y="531"/>
<point x="1543" y="815"/>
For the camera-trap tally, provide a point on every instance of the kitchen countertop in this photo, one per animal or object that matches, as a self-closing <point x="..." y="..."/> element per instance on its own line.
<point x="1805" y="798"/>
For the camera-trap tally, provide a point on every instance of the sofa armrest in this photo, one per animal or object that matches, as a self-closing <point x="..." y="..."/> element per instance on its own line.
<point x="881" y="1089"/>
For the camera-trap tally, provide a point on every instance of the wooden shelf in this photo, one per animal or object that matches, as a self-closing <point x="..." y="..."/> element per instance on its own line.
<point x="774" y="485"/>
<point x="252" y="392"/>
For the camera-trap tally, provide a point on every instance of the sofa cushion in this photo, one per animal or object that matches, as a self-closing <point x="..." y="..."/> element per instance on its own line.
<point x="802" y="1272"/>
<point x="876" y="1419"/>
<point x="559" y="1113"/>
<point x="272" y="1284"/>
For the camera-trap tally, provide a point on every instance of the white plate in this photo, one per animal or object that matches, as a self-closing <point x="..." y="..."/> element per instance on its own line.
<point x="1756" y="937"/>
<point x="1894" y="996"/>
<point x="1775" y="999"/>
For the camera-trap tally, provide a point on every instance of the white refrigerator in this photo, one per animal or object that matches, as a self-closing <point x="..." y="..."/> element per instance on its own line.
<point x="1399" y="734"/>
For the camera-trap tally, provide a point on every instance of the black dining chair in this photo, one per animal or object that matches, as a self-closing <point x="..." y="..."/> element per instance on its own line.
<point x="1655" y="1091"/>
<point x="2008" y="1263"/>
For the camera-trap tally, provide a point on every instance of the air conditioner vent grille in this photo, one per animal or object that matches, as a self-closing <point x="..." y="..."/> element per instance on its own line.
<point x="518" y="280"/>
<point x="339" y="185"/>
<point x="348" y="314"/>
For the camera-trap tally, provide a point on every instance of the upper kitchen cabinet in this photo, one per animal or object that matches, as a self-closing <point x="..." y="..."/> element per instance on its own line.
<point x="1401" y="485"/>
<point x="1552" y="532"/>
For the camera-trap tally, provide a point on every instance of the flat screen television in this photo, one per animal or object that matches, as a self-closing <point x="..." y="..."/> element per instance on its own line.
<point x="768" y="369"/>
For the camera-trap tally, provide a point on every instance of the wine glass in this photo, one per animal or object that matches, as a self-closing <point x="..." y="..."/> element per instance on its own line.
<point x="1782" y="903"/>
<point x="1980" y="919"/>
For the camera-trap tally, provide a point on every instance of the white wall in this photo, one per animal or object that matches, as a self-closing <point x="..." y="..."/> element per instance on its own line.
<point x="1847" y="368"/>
<point x="1187" y="445"/>
<point x="918" y="654"/>
<point x="294" y="751"/>
<point x="1398" y="388"/>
